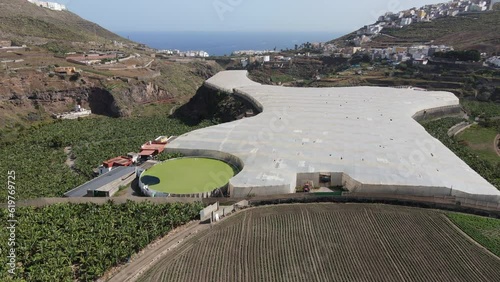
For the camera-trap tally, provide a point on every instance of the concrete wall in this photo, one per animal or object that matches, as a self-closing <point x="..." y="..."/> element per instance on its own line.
<point x="438" y="112"/>
<point x="225" y="157"/>
<point x="425" y="191"/>
<point x="242" y="192"/>
<point x="236" y="162"/>
<point x="477" y="200"/>
<point x="111" y="188"/>
<point x="206" y="213"/>
<point x="223" y="211"/>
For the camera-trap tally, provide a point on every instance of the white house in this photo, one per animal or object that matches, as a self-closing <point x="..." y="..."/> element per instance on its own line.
<point x="49" y="5"/>
<point x="203" y="54"/>
<point x="494" y="61"/>
<point x="375" y="29"/>
<point x="406" y="21"/>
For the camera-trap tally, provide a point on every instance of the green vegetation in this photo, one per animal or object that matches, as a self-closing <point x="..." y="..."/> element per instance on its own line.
<point x="481" y="141"/>
<point x="188" y="176"/>
<point x="67" y="242"/>
<point x="439" y="129"/>
<point x="482" y="109"/>
<point x="184" y="79"/>
<point x="282" y="78"/>
<point x="37" y="154"/>
<point x="467" y="55"/>
<point x="485" y="231"/>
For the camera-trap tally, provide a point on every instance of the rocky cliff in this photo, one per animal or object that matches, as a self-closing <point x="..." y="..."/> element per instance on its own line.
<point x="209" y="104"/>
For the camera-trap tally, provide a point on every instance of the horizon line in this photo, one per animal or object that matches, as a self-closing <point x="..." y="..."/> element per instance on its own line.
<point x="236" y="31"/>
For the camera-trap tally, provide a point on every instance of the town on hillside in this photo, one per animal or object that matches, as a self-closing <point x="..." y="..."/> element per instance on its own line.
<point x="396" y="52"/>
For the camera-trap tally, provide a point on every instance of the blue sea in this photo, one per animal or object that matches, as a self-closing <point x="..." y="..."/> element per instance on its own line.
<point x="224" y="43"/>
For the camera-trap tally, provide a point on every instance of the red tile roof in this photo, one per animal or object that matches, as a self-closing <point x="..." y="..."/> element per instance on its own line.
<point x="160" y="147"/>
<point x="118" y="161"/>
<point x="147" y="152"/>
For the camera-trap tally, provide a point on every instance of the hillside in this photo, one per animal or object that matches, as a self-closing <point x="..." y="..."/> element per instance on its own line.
<point x="31" y="92"/>
<point x="26" y="23"/>
<point x="467" y="31"/>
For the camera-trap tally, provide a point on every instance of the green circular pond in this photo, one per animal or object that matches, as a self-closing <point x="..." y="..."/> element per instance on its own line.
<point x="188" y="176"/>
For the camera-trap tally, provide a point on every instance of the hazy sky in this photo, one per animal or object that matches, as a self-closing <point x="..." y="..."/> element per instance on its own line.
<point x="236" y="15"/>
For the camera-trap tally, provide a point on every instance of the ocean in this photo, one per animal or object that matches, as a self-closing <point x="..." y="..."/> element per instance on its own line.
<point x="224" y="43"/>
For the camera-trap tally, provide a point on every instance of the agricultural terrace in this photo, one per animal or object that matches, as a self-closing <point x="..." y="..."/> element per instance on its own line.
<point x="188" y="176"/>
<point x="329" y="242"/>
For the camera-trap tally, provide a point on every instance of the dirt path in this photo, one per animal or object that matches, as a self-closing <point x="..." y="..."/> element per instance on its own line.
<point x="147" y="258"/>
<point x="459" y="128"/>
<point x="496" y="145"/>
<point x="69" y="162"/>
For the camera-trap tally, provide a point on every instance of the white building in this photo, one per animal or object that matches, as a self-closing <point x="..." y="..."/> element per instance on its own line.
<point x="203" y="54"/>
<point x="406" y="21"/>
<point x="49" y="5"/>
<point x="494" y="61"/>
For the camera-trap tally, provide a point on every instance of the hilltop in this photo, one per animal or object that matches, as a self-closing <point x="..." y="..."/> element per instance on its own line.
<point x="26" y="23"/>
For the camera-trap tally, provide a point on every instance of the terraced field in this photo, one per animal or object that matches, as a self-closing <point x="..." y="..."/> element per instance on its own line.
<point x="329" y="242"/>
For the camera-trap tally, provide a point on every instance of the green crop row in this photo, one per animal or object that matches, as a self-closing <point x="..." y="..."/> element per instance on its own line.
<point x="485" y="231"/>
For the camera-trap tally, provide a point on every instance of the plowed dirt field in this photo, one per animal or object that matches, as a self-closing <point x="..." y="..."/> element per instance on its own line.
<point x="329" y="242"/>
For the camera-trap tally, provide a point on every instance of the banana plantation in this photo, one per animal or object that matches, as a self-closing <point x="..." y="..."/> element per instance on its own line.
<point x="68" y="242"/>
<point x="39" y="154"/>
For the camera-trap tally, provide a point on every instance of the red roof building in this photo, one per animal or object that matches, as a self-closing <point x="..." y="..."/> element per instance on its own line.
<point x="156" y="147"/>
<point x="152" y="148"/>
<point x="118" y="161"/>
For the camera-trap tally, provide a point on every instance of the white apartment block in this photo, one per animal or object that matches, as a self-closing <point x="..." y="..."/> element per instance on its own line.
<point x="49" y="5"/>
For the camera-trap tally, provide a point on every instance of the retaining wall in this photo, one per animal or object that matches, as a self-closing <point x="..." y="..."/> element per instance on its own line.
<point x="356" y="187"/>
<point x="241" y="192"/>
<point x="438" y="112"/>
<point x="225" y="157"/>
<point x="223" y="211"/>
<point x="206" y="213"/>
